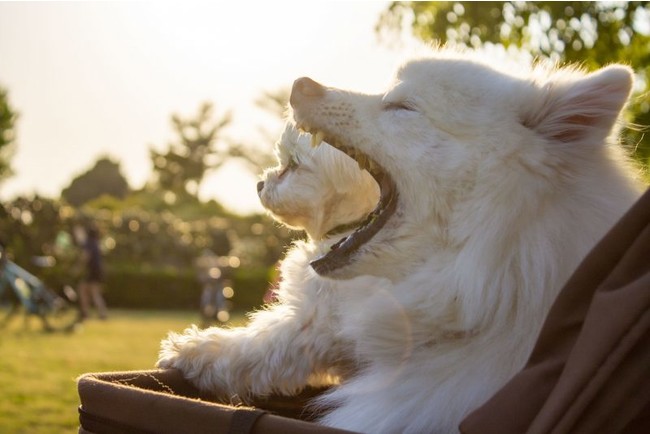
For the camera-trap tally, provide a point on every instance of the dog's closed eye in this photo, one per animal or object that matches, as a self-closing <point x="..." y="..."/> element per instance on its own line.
<point x="291" y="165"/>
<point x="398" y="105"/>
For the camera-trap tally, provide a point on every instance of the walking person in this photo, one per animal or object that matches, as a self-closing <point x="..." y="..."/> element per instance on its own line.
<point x="91" y="286"/>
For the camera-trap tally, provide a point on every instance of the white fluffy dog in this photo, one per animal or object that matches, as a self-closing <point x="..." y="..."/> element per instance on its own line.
<point x="318" y="189"/>
<point x="284" y="348"/>
<point x="494" y="184"/>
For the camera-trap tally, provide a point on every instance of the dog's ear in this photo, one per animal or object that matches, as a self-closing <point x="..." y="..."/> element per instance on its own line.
<point x="570" y="110"/>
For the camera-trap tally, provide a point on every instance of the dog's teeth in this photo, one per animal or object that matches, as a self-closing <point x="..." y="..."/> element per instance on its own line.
<point x="317" y="138"/>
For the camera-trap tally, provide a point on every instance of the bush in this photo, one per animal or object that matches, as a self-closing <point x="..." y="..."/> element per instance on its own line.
<point x="169" y="288"/>
<point x="149" y="256"/>
<point x="147" y="288"/>
<point x="250" y="284"/>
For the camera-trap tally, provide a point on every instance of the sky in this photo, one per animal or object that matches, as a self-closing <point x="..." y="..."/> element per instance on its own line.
<point x="93" y="79"/>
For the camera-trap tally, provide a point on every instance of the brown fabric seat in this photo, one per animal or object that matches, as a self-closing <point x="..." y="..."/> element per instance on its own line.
<point x="590" y="369"/>
<point x="162" y="401"/>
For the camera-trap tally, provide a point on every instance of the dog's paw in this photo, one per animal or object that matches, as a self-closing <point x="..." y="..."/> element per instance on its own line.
<point x="188" y="351"/>
<point x="197" y="354"/>
<point x="173" y="348"/>
<point x="166" y="359"/>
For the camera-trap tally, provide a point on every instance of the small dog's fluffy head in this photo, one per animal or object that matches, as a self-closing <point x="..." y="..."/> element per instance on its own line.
<point x="315" y="188"/>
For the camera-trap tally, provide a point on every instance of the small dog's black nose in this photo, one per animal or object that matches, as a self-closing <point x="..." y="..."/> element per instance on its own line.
<point x="305" y="88"/>
<point x="260" y="186"/>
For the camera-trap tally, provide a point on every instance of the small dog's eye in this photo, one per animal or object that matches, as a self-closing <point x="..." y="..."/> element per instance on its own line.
<point x="291" y="165"/>
<point x="399" y="105"/>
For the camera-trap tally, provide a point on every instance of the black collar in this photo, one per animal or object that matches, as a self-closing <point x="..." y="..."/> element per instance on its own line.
<point x="346" y="227"/>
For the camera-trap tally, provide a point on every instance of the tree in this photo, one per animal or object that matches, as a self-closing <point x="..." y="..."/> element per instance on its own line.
<point x="182" y="167"/>
<point x="105" y="178"/>
<point x="593" y="34"/>
<point x="275" y="103"/>
<point x="7" y="134"/>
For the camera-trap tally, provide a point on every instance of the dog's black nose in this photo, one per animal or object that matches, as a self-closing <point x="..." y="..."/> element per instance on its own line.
<point x="304" y="88"/>
<point x="260" y="186"/>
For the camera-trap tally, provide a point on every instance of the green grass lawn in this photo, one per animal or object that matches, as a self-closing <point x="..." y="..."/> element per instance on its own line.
<point x="38" y="370"/>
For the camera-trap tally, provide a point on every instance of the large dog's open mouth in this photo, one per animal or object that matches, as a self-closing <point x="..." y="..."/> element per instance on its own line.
<point x="342" y="252"/>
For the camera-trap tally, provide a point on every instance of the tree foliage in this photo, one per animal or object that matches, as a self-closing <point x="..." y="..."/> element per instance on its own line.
<point x="593" y="34"/>
<point x="181" y="168"/>
<point x="7" y="134"/>
<point x="105" y="178"/>
<point x="274" y="103"/>
<point x="149" y="255"/>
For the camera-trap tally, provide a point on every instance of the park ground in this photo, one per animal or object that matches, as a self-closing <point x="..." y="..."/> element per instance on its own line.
<point x="38" y="370"/>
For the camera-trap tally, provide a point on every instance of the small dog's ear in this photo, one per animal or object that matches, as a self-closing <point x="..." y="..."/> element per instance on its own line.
<point x="570" y="110"/>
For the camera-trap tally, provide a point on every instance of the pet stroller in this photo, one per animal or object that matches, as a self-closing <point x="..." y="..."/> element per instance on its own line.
<point x="588" y="373"/>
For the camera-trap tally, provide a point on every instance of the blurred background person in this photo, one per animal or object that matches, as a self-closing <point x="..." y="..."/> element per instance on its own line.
<point x="213" y="302"/>
<point x="91" y="285"/>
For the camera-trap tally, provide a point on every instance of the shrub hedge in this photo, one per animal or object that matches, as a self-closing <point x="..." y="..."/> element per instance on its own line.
<point x="173" y="289"/>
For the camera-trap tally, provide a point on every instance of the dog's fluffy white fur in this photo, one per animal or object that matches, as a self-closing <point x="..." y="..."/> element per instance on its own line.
<point x="315" y="188"/>
<point x="283" y="348"/>
<point x="506" y="179"/>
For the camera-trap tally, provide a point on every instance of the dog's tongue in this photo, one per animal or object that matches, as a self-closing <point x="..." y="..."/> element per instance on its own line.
<point x="342" y="253"/>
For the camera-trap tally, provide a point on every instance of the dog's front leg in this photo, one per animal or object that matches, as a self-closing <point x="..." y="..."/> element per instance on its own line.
<point x="277" y="352"/>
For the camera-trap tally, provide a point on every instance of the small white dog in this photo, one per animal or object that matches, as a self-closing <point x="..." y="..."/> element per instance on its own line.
<point x="323" y="191"/>
<point x="494" y="184"/>
<point x="316" y="188"/>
